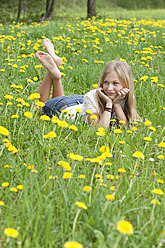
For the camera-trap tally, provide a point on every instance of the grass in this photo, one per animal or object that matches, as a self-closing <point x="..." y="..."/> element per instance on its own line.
<point x="44" y="210"/>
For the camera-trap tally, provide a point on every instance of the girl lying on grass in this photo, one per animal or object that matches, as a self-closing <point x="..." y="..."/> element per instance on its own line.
<point x="113" y="98"/>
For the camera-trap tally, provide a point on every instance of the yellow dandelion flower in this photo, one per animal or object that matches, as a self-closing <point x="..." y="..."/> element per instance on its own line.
<point x="101" y="133"/>
<point x="108" y="163"/>
<point x="88" y="111"/>
<point x="52" y="134"/>
<point x="13" y="189"/>
<point x="1" y="203"/>
<point x="160" y="181"/>
<point x="129" y="131"/>
<point x="72" y="244"/>
<point x="81" y="205"/>
<point x="158" y="191"/>
<point x="75" y="157"/>
<point x="4" y="131"/>
<point x="93" y="117"/>
<point x="63" y="124"/>
<point x="98" y="176"/>
<point x="65" y="111"/>
<point x="147" y="138"/>
<point x="9" y="97"/>
<point x="73" y="127"/>
<point x="15" y="116"/>
<point x="94" y="85"/>
<point x="5" y="184"/>
<point x="124" y="227"/>
<point x="34" y="96"/>
<point x="162" y="144"/>
<point x="38" y="66"/>
<point x="20" y="187"/>
<point x="118" y="131"/>
<point x="28" y="114"/>
<point x="121" y="142"/>
<point x="160" y="156"/>
<point x="11" y="232"/>
<point x="154" y="201"/>
<point x="109" y="197"/>
<point x="107" y="154"/>
<point x="121" y="170"/>
<point x="45" y="118"/>
<point x="87" y="188"/>
<point x="147" y="123"/>
<point x="78" y="110"/>
<point x="82" y="176"/>
<point x="138" y="154"/>
<point x="121" y="122"/>
<point x="39" y="104"/>
<point x="35" y="79"/>
<point x="67" y="175"/>
<point x="112" y="188"/>
<point x="134" y="129"/>
<point x="152" y="128"/>
<point x="110" y="177"/>
<point x="29" y="80"/>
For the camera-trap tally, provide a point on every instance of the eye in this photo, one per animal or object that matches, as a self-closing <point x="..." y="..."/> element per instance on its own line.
<point x="115" y="83"/>
<point x="106" y="82"/>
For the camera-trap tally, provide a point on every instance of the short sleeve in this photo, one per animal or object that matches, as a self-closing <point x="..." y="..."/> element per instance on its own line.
<point x="89" y="102"/>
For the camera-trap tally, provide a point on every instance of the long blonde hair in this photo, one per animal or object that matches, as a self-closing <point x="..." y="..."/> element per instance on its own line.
<point x="124" y="73"/>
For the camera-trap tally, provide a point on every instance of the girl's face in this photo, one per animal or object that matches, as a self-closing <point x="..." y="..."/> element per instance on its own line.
<point x="112" y="85"/>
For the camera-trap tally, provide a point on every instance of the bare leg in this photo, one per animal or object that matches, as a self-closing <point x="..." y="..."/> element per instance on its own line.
<point x="52" y="76"/>
<point x="50" y="49"/>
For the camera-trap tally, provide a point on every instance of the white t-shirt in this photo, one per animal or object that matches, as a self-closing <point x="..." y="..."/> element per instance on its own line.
<point x="89" y="103"/>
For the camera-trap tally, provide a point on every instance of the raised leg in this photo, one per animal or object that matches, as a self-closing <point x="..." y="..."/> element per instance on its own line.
<point x="53" y="76"/>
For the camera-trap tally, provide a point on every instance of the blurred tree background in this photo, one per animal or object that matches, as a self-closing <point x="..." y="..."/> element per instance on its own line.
<point x="36" y="10"/>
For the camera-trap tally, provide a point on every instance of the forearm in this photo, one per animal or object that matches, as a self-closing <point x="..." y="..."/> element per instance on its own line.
<point x="106" y="116"/>
<point x="120" y="114"/>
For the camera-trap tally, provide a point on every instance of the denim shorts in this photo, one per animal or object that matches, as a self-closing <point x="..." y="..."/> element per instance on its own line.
<point x="57" y="104"/>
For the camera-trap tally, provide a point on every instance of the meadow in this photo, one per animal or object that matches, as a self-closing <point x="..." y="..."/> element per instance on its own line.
<point x="65" y="183"/>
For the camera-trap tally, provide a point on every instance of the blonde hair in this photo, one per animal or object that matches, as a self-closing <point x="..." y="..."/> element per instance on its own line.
<point x="124" y="73"/>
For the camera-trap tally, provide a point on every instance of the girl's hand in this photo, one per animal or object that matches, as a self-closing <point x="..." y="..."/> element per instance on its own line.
<point x="103" y="96"/>
<point x="121" y="95"/>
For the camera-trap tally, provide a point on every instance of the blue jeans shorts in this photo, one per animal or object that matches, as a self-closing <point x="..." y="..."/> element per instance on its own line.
<point x="55" y="105"/>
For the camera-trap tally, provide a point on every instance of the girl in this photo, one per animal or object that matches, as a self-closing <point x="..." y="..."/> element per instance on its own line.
<point x="113" y="98"/>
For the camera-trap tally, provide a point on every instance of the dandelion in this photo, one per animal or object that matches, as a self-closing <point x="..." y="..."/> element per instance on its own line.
<point x="158" y="192"/>
<point x="160" y="181"/>
<point x="72" y="244"/>
<point x="73" y="128"/>
<point x="39" y="104"/>
<point x="162" y="144"/>
<point x="101" y="133"/>
<point x="121" y="170"/>
<point x="93" y="117"/>
<point x="1" y="203"/>
<point x="121" y="142"/>
<point x="107" y="154"/>
<point x="124" y="227"/>
<point x="94" y="85"/>
<point x="35" y="79"/>
<point x="156" y="202"/>
<point x="4" y="131"/>
<point x="138" y="154"/>
<point x="45" y="118"/>
<point x="147" y="123"/>
<point x="51" y="134"/>
<point x="82" y="176"/>
<point x="15" y="116"/>
<point x="112" y="188"/>
<point x="110" y="177"/>
<point x="67" y="175"/>
<point x="28" y="114"/>
<point x="13" y="189"/>
<point x="34" y="96"/>
<point x="78" y="110"/>
<point x="160" y="156"/>
<point x="134" y="129"/>
<point x="5" y="184"/>
<point x="9" y="97"/>
<point x="63" y="124"/>
<point x="87" y="188"/>
<point x="147" y="138"/>
<point x="152" y="128"/>
<point x="88" y="111"/>
<point x="81" y="205"/>
<point x="109" y="197"/>
<point x="75" y="157"/>
<point x="11" y="232"/>
<point x="118" y="131"/>
<point x="20" y="187"/>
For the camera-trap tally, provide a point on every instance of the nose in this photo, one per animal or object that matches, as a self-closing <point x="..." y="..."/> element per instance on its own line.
<point x="110" y="87"/>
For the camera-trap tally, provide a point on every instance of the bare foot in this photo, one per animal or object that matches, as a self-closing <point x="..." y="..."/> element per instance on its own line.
<point x="50" y="49"/>
<point x="47" y="61"/>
